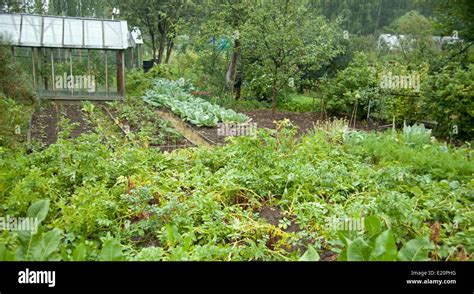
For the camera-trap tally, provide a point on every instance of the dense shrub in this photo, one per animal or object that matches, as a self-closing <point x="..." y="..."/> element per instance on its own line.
<point x="358" y="79"/>
<point x="13" y="122"/>
<point x="448" y="99"/>
<point x="12" y="79"/>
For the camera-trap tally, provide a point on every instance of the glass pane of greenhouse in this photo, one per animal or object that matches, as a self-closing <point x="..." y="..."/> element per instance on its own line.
<point x="93" y="34"/>
<point x="73" y="32"/>
<point x="10" y="27"/>
<point x="52" y="32"/>
<point x="31" y="30"/>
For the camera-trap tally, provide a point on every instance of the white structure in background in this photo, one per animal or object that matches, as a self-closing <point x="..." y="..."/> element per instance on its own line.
<point x="394" y="42"/>
<point x="115" y="12"/>
<point x="447" y="40"/>
<point x="136" y="36"/>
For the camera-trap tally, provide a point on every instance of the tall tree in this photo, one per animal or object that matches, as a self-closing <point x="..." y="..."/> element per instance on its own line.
<point x="282" y="34"/>
<point x="159" y="19"/>
<point x="81" y="8"/>
<point x="226" y="18"/>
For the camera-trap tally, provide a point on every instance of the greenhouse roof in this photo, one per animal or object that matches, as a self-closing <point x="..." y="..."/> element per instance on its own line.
<point x="63" y="32"/>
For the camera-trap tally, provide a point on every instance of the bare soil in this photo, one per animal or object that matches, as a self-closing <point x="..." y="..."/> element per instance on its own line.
<point x="273" y="215"/>
<point x="44" y="124"/>
<point x="75" y="115"/>
<point x="45" y="121"/>
<point x="304" y="121"/>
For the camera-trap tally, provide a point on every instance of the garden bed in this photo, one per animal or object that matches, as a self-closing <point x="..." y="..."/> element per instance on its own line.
<point x="50" y="118"/>
<point x="140" y="123"/>
<point x="44" y="124"/>
<point x="305" y="121"/>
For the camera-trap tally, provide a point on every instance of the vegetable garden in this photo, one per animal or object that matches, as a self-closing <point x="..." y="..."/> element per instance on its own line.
<point x="338" y="169"/>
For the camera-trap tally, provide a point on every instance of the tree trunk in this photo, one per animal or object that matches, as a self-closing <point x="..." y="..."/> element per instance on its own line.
<point x="153" y="46"/>
<point x="232" y="68"/>
<point x="162" y="48"/>
<point x="378" y="16"/>
<point x="169" y="49"/>
<point x="162" y="29"/>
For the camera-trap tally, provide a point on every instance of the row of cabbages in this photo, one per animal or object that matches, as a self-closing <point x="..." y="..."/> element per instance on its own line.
<point x="176" y="96"/>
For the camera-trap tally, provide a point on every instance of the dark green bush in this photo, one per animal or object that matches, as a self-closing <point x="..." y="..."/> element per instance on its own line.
<point x="357" y="80"/>
<point x="13" y="82"/>
<point x="448" y="99"/>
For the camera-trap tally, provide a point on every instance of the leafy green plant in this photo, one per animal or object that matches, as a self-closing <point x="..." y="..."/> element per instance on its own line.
<point x="298" y="103"/>
<point x="111" y="251"/>
<point x="13" y="122"/>
<point x="447" y="99"/>
<point x="310" y="255"/>
<point x="144" y="124"/>
<point x="416" y="134"/>
<point x="381" y="246"/>
<point x="113" y="201"/>
<point x="352" y="85"/>
<point x="175" y="96"/>
<point x="36" y="246"/>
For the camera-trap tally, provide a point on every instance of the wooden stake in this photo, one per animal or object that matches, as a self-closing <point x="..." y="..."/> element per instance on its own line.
<point x="70" y="69"/>
<point x="52" y="70"/>
<point x="121" y="72"/>
<point x="34" y="67"/>
<point x="106" y="76"/>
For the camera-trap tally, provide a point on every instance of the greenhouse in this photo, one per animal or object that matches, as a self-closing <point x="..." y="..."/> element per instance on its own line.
<point x="70" y="57"/>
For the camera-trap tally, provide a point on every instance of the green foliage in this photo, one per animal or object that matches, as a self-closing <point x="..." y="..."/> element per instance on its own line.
<point x="415" y="152"/>
<point x="161" y="20"/>
<point x="144" y="123"/>
<point x="415" y="250"/>
<point x="416" y="134"/>
<point x="381" y="246"/>
<point x="310" y="255"/>
<point x="456" y="16"/>
<point x="159" y="71"/>
<point x="35" y="244"/>
<point x="13" y="117"/>
<point x="357" y="80"/>
<point x="14" y="83"/>
<point x="298" y="103"/>
<point x="369" y="16"/>
<point x="418" y="31"/>
<point x="137" y="83"/>
<point x="189" y="65"/>
<point x="289" y="38"/>
<point x="111" y="251"/>
<point x="447" y="99"/>
<point x="132" y="203"/>
<point x="176" y="97"/>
